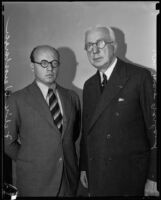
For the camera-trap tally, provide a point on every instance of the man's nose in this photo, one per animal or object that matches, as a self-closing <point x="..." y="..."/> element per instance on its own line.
<point x="95" y="48"/>
<point x="49" y="67"/>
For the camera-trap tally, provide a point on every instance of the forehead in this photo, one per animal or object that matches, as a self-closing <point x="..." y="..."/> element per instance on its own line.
<point x="97" y="34"/>
<point x="45" y="54"/>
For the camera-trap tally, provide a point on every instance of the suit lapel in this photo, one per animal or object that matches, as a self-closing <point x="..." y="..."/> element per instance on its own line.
<point x="116" y="83"/>
<point x="66" y="105"/>
<point x="37" y="101"/>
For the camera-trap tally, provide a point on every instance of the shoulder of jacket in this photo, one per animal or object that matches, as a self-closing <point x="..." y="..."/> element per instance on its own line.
<point x="19" y="93"/>
<point x="69" y="92"/>
<point x="73" y="94"/>
<point x="134" y="69"/>
<point x="90" y="80"/>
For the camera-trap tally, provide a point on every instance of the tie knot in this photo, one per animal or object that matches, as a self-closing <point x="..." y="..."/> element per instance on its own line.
<point x="104" y="77"/>
<point x="104" y="82"/>
<point x="50" y="91"/>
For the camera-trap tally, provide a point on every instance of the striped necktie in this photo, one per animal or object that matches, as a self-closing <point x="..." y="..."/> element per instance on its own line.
<point x="55" y="110"/>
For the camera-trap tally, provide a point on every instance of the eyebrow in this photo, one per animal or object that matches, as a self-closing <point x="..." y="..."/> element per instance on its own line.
<point x="96" y="41"/>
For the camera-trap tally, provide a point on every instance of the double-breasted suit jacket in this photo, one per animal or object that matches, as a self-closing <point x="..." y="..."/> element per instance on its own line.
<point x="118" y="146"/>
<point x="34" y="142"/>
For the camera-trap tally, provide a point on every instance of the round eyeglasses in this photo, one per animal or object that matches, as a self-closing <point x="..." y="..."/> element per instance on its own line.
<point x="100" y="44"/>
<point x="45" y="63"/>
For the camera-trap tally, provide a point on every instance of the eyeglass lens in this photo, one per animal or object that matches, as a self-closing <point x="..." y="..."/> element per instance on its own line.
<point x="100" y="44"/>
<point x="45" y="63"/>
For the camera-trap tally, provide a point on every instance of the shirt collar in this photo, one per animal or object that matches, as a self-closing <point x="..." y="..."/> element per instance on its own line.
<point x="109" y="70"/>
<point x="44" y="88"/>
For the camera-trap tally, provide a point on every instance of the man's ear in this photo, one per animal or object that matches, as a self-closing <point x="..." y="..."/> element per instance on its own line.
<point x="32" y="67"/>
<point x="115" y="47"/>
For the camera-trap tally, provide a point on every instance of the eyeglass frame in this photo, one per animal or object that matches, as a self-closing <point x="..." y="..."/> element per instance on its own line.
<point x="96" y="43"/>
<point x="53" y="67"/>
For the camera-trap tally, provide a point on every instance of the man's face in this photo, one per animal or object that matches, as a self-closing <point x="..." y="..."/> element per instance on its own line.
<point x="49" y="74"/>
<point x="100" y="58"/>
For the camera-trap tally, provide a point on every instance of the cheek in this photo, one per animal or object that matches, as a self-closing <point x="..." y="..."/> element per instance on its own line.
<point x="110" y="51"/>
<point x="90" y="56"/>
<point x="107" y="54"/>
<point x="39" y="73"/>
<point x="55" y="71"/>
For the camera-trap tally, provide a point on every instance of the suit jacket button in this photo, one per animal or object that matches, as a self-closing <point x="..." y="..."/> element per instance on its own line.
<point x="109" y="159"/>
<point x="117" y="114"/>
<point x="90" y="159"/>
<point x="60" y="159"/>
<point x="108" y="136"/>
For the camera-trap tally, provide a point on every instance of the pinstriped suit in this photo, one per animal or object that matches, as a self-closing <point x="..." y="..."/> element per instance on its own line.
<point x="118" y="147"/>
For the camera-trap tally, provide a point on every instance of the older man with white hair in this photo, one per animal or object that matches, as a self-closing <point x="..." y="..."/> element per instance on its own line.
<point x="118" y="145"/>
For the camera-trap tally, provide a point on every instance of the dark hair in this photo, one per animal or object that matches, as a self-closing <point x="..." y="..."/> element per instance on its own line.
<point x="32" y="54"/>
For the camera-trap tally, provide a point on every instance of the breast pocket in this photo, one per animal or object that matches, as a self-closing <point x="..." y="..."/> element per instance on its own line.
<point x="128" y="108"/>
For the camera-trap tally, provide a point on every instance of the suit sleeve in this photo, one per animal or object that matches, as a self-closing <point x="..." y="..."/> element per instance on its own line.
<point x="148" y="103"/>
<point x="83" y="142"/>
<point x="77" y="127"/>
<point x="83" y="153"/>
<point x="11" y="128"/>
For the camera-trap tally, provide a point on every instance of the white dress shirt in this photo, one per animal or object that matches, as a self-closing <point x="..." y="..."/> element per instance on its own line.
<point x="109" y="70"/>
<point x="44" y="89"/>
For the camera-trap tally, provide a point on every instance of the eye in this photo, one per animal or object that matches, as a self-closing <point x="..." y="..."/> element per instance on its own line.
<point x="55" y="62"/>
<point x="101" y="44"/>
<point x="88" y="46"/>
<point x="44" y="63"/>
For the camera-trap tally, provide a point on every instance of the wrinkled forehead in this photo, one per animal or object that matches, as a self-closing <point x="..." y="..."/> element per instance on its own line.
<point x="97" y="33"/>
<point x="45" y="53"/>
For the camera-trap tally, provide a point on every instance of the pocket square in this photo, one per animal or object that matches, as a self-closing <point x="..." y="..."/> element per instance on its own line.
<point x="121" y="99"/>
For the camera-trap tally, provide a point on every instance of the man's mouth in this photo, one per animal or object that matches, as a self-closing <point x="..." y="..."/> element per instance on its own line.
<point x="49" y="75"/>
<point x="97" y="59"/>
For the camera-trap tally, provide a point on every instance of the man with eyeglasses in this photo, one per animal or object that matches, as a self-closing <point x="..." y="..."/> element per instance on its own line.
<point x="41" y="129"/>
<point x="118" y="151"/>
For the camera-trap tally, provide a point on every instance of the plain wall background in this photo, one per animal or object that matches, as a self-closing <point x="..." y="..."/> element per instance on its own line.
<point x="62" y="25"/>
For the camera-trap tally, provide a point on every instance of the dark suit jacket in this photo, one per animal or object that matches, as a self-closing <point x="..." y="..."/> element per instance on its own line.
<point x="43" y="150"/>
<point x="118" y="146"/>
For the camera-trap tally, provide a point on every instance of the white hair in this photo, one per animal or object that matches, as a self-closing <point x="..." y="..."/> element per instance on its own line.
<point x="108" y="29"/>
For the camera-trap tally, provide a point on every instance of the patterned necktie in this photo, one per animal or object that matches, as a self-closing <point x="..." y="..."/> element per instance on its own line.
<point x="104" y="82"/>
<point x="55" y="110"/>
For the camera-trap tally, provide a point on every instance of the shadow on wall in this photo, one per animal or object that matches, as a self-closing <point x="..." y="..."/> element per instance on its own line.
<point x="68" y="68"/>
<point x="122" y="49"/>
<point x="67" y="73"/>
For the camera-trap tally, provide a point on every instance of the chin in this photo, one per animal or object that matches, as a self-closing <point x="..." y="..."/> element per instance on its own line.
<point x="51" y="79"/>
<point x="97" y="65"/>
